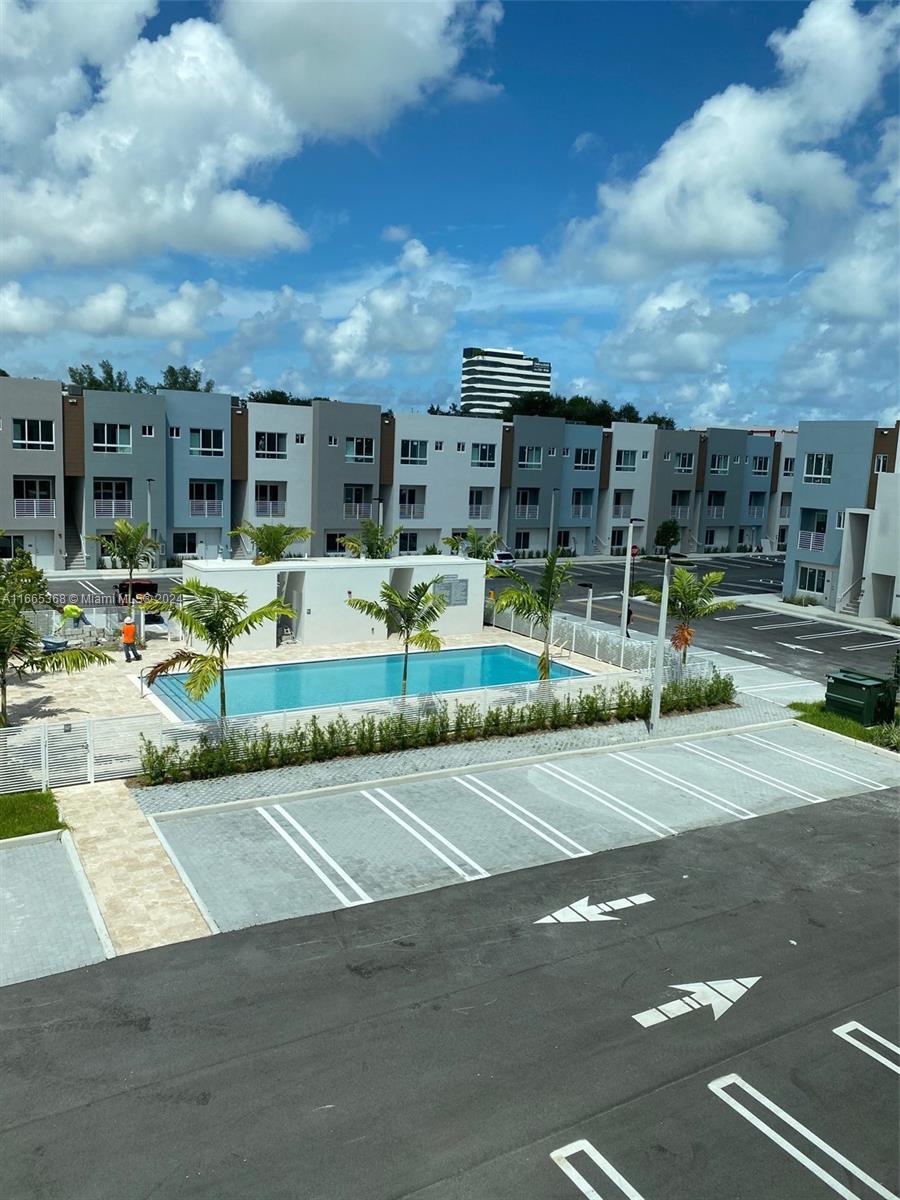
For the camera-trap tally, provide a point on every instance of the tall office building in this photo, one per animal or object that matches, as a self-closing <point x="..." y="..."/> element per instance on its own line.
<point x="492" y="378"/>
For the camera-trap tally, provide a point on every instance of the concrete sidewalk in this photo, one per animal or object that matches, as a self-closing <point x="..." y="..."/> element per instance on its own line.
<point x="818" y="612"/>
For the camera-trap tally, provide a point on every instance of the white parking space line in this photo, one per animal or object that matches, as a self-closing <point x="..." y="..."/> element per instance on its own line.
<point x="561" y="1158"/>
<point x="752" y="773"/>
<point x="809" y="637"/>
<point x="90" y="587"/>
<point x="871" y="645"/>
<point x="323" y="854"/>
<point x="754" y="616"/>
<point x="313" y="866"/>
<point x="719" y="1088"/>
<point x="813" y="762"/>
<point x="747" y="667"/>
<point x="477" y="872"/>
<point x="755" y="688"/>
<point x="474" y="784"/>
<point x="781" y="625"/>
<point x="847" y="1031"/>
<point x="659" y="828"/>
<point x="692" y="789"/>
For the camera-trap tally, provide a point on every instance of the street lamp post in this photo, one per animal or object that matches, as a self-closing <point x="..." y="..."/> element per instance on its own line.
<point x="660" y="664"/>
<point x="551" y="533"/>
<point x="626" y="587"/>
<point x="590" y="600"/>
<point x="150" y="517"/>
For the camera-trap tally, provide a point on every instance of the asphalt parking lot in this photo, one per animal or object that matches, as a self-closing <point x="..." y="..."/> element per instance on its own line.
<point x="260" y="863"/>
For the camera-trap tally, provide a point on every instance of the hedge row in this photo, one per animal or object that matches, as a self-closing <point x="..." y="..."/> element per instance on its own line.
<point x="236" y="753"/>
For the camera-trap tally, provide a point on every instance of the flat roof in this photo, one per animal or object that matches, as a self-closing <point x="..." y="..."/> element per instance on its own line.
<point x="438" y="561"/>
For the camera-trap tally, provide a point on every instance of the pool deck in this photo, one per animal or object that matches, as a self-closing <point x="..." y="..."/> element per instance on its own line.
<point x="111" y="691"/>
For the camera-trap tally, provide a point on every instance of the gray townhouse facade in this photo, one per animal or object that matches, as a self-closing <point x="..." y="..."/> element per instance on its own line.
<point x="272" y="468"/>
<point x="32" y="471"/>
<point x="199" y="473"/>
<point x="625" y="487"/>
<point x="837" y="468"/>
<point x="345" y="472"/>
<point x="673" y="490"/>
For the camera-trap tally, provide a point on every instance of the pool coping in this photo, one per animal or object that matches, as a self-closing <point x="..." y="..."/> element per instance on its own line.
<point x="172" y="716"/>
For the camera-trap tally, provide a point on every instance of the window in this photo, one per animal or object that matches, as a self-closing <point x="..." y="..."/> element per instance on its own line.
<point x="839" y="519"/>
<point x="360" y="450"/>
<point x="760" y="464"/>
<point x="709" y="537"/>
<point x="33" y="489"/>
<point x="812" y="579"/>
<point x="684" y="462"/>
<point x="788" y="467"/>
<point x="566" y="451"/>
<point x="718" y="464"/>
<point x="271" y="445"/>
<point x="210" y="443"/>
<point x="881" y="463"/>
<point x="645" y="454"/>
<point x="460" y="447"/>
<point x="268" y="493"/>
<point x="483" y="454"/>
<point x="409" y="541"/>
<point x="10" y="543"/>
<point x="617" y="537"/>
<point x="147" y="431"/>
<point x="585" y="458"/>
<point x="414" y="453"/>
<point x="203" y="489"/>
<point x="523" y="539"/>
<point x="31" y="434"/>
<point x="332" y="441"/>
<point x="110" y="438"/>
<point x="438" y="445"/>
<point x="551" y="452"/>
<point x="818" y="468"/>
<point x="667" y="457"/>
<point x="531" y="457"/>
<point x="184" y="543"/>
<point x="174" y="431"/>
<point x="563" y="538"/>
<point x="626" y="460"/>
<point x="299" y="439"/>
<point x="736" y="459"/>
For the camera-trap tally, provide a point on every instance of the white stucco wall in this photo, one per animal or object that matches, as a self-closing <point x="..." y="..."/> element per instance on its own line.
<point x="881" y="564"/>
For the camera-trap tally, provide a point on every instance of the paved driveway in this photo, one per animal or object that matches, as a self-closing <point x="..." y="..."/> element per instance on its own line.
<point x="256" y="864"/>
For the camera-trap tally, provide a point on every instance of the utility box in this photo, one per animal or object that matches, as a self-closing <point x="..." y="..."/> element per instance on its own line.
<point x="868" y="699"/>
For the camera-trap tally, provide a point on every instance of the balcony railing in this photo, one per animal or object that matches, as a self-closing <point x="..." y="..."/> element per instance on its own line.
<point x="621" y="510"/>
<point x="357" y="510"/>
<point x="112" y="508"/>
<point x="527" y="512"/>
<point x="809" y="540"/>
<point x="715" y="512"/>
<point x="35" y="508"/>
<point x="784" y="511"/>
<point x="412" y="512"/>
<point x="580" y="511"/>
<point x="479" y="512"/>
<point x="206" y="508"/>
<point x="755" y="513"/>
<point x="680" y="512"/>
<point x="270" y="508"/>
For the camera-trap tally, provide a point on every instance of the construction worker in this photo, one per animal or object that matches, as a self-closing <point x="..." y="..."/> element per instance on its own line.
<point x="71" y="612"/>
<point x="129" y="644"/>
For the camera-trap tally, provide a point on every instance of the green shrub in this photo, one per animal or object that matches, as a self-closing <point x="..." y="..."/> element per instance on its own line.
<point x="800" y="601"/>
<point x="887" y="736"/>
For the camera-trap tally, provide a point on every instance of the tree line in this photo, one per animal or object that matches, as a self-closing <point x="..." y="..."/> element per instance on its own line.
<point x="582" y="409"/>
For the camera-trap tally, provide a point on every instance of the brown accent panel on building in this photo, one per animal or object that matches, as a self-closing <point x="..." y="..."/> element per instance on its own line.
<point x="240" y="421"/>
<point x="605" y="458"/>
<point x="386" y="450"/>
<point x="776" y="468"/>
<point x="506" y="455"/>
<point x="73" y="433"/>
<point x="884" y="442"/>
<point x="702" y="449"/>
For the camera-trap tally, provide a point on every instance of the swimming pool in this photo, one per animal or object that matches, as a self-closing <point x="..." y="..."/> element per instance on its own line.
<point x="354" y="680"/>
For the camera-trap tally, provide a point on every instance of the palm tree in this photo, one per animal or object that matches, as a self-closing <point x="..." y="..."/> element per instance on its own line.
<point x="537" y="603"/>
<point x="372" y="541"/>
<point x="133" y="545"/>
<point x="410" y="616"/>
<point x="23" y="587"/>
<point x="217" y="619"/>
<point x="473" y="543"/>
<point x="690" y="599"/>
<point x="271" y="541"/>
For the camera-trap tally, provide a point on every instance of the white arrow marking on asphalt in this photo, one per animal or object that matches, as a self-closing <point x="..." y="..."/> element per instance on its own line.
<point x="581" y="910"/>
<point x="717" y="994"/>
<point x="794" y="646"/>
<point x="752" y="653"/>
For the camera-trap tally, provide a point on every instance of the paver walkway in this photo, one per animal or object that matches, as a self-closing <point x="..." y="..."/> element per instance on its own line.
<point x="140" y="894"/>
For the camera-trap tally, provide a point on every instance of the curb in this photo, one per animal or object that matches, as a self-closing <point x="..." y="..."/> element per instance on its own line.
<point x="826" y="616"/>
<point x="90" y="899"/>
<point x="25" y="839"/>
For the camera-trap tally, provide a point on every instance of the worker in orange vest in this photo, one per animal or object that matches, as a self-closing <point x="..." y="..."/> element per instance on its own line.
<point x="129" y="634"/>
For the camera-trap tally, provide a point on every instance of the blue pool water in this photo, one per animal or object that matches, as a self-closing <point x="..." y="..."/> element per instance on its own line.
<point x="351" y="680"/>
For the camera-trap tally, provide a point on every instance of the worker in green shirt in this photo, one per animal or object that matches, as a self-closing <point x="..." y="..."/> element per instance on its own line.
<point x="71" y="612"/>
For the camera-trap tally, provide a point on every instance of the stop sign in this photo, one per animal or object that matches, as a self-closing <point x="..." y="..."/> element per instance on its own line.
<point x="634" y="551"/>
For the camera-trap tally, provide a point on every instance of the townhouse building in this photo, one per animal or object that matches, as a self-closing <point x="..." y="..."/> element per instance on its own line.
<point x="837" y="476"/>
<point x="272" y="473"/>
<point x="673" y="487"/>
<point x="199" y="461"/>
<point x="625" y="487"/>
<point x="32" y="471"/>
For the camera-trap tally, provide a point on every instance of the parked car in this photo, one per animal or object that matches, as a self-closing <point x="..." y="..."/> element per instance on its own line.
<point x="503" y="558"/>
<point x="143" y="590"/>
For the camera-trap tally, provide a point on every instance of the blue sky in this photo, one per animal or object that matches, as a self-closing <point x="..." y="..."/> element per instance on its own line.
<point x="685" y="205"/>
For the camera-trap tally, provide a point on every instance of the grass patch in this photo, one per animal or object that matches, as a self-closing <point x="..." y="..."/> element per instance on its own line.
<point x="28" y="812"/>
<point x="887" y="736"/>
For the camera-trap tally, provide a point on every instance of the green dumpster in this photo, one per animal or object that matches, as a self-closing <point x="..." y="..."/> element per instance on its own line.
<point x="866" y="698"/>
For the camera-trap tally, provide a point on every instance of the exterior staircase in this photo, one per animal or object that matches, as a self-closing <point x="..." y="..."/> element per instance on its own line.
<point x="851" y="607"/>
<point x="75" y="559"/>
